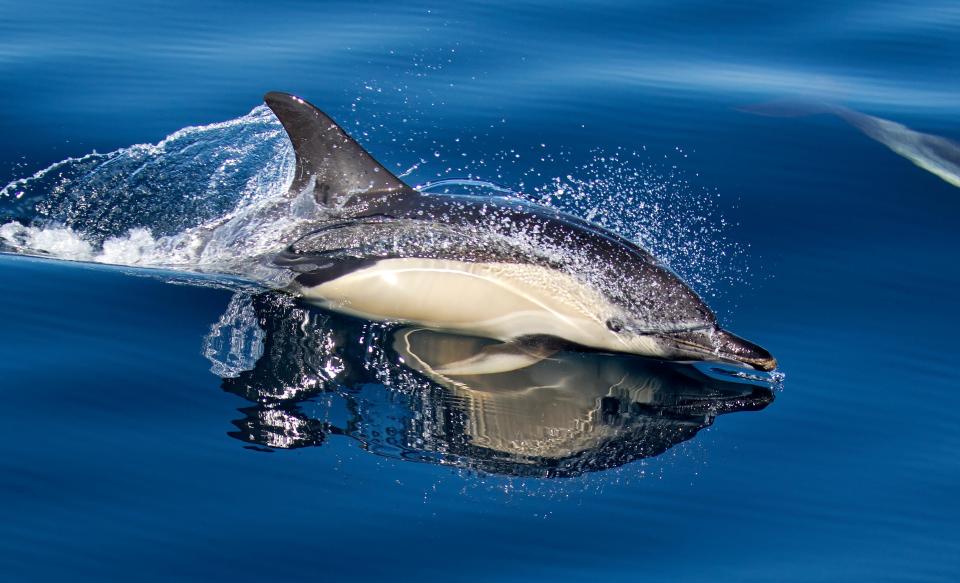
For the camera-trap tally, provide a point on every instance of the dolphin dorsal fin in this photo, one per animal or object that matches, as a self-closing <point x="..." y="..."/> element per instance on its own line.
<point x="329" y="161"/>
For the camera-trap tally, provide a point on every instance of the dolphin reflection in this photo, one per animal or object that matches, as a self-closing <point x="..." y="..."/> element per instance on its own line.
<point x="403" y="393"/>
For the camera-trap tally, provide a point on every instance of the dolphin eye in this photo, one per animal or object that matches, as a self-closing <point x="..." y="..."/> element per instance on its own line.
<point x="614" y="325"/>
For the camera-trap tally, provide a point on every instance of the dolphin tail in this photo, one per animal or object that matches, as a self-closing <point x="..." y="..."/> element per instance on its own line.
<point x="329" y="162"/>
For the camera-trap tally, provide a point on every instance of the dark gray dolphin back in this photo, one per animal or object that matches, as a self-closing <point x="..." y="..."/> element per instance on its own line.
<point x="380" y="217"/>
<point x="329" y="162"/>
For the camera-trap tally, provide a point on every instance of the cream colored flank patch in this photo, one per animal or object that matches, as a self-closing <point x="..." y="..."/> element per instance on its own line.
<point x="493" y="300"/>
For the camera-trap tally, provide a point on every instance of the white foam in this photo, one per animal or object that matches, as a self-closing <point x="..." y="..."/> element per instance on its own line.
<point x="202" y="199"/>
<point x="60" y="242"/>
<point x="137" y="247"/>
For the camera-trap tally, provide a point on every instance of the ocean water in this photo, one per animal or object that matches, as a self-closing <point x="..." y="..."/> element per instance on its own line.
<point x="169" y="417"/>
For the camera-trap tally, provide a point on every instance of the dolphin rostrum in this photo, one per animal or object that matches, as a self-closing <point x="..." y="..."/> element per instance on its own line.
<point x="531" y="277"/>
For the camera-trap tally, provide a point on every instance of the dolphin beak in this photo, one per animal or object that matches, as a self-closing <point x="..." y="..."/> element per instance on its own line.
<point x="743" y="351"/>
<point x="718" y="344"/>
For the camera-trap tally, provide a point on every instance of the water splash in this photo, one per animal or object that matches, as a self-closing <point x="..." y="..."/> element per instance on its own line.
<point x="652" y="202"/>
<point x="195" y="175"/>
<point x="214" y="199"/>
<point x="185" y="202"/>
<point x="235" y="342"/>
<point x="656" y="206"/>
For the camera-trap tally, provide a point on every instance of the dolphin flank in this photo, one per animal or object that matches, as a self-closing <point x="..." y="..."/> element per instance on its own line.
<point x="533" y="278"/>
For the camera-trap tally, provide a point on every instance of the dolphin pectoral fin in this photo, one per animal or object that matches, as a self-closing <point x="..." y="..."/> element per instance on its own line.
<point x="329" y="161"/>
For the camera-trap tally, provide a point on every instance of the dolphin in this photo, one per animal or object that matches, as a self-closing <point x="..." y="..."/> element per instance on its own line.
<point x="938" y="155"/>
<point x="935" y="154"/>
<point x="530" y="277"/>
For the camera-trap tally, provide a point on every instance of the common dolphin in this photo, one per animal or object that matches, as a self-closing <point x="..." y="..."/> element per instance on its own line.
<point x="935" y="154"/>
<point x="531" y="277"/>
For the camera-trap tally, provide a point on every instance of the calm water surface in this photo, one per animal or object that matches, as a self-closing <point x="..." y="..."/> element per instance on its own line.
<point x="160" y="425"/>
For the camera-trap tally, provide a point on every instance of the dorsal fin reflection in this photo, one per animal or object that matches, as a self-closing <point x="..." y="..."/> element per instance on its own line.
<point x="528" y="410"/>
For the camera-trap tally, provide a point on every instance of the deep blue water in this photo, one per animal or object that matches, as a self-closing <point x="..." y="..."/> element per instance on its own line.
<point x="152" y="433"/>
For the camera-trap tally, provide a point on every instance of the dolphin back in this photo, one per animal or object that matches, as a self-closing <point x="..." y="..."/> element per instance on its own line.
<point x="330" y="164"/>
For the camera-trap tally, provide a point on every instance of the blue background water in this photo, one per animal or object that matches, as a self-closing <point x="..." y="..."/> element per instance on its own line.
<point x="116" y="463"/>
